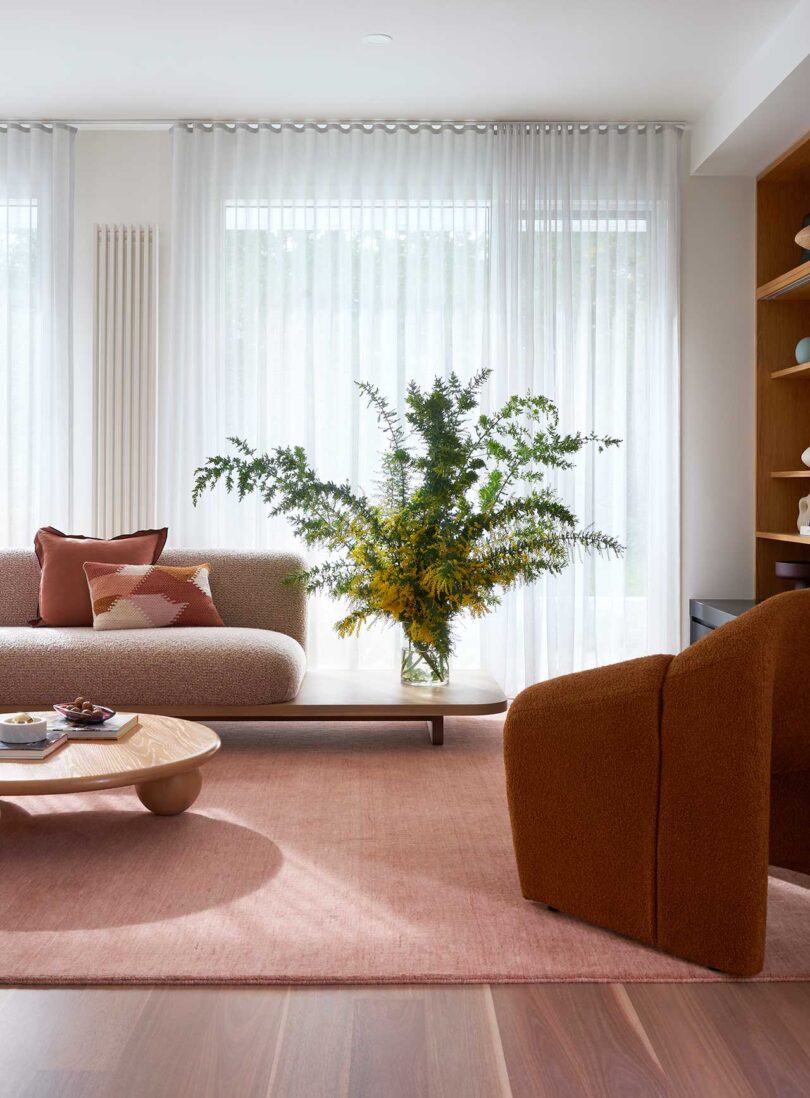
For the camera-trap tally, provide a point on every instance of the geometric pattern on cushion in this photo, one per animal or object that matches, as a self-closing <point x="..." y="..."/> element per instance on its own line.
<point x="145" y="596"/>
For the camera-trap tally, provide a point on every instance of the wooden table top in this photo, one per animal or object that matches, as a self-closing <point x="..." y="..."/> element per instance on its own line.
<point x="339" y="695"/>
<point x="162" y="746"/>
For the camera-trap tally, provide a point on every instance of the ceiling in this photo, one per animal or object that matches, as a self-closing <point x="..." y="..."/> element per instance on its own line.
<point x="518" y="59"/>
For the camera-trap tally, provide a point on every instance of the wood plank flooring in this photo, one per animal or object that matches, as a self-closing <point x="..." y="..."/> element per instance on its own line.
<point x="504" y="1041"/>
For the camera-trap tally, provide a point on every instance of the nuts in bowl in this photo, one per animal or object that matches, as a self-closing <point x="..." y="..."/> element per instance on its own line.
<point x="83" y="711"/>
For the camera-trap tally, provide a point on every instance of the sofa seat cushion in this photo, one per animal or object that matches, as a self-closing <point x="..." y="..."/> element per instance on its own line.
<point x="149" y="667"/>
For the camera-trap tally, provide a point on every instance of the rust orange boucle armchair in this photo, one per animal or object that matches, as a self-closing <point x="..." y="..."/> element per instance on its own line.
<point x="649" y="797"/>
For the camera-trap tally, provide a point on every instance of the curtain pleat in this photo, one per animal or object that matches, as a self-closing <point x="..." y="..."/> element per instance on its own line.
<point x="305" y="259"/>
<point x="36" y="413"/>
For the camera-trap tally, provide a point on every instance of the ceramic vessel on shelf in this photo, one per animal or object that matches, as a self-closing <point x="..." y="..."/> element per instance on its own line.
<point x="803" y="351"/>
<point x="806" y="457"/>
<point x="802" y="238"/>
<point x="804" y="513"/>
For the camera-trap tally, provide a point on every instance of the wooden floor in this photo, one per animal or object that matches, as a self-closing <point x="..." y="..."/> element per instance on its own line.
<point x="707" y="1040"/>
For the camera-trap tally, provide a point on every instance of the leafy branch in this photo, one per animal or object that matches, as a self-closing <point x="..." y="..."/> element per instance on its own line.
<point x="464" y="511"/>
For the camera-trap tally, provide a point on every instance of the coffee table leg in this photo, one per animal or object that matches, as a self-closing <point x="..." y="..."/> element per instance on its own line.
<point x="170" y="796"/>
<point x="436" y="729"/>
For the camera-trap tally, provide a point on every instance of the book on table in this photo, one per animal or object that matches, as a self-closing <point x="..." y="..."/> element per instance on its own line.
<point x="114" y="728"/>
<point x="34" y="752"/>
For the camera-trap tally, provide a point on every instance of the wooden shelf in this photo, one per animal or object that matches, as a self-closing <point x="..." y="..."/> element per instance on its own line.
<point x="793" y="371"/>
<point x="791" y="286"/>
<point x="793" y="473"/>
<point x="795" y="538"/>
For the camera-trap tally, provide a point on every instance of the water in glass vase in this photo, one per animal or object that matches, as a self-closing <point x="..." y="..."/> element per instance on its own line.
<point x="422" y="665"/>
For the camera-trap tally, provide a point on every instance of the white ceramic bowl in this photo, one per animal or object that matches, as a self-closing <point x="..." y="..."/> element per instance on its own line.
<point x="22" y="733"/>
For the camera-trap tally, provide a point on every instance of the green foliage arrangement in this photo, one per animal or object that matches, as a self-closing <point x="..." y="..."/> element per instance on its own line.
<point x="462" y="513"/>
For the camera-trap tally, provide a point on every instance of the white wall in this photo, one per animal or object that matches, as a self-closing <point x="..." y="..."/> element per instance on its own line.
<point x="717" y="388"/>
<point x="763" y="110"/>
<point x="125" y="177"/>
<point x="121" y="177"/>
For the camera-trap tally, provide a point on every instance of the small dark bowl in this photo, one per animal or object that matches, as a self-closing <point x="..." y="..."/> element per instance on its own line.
<point x="84" y="718"/>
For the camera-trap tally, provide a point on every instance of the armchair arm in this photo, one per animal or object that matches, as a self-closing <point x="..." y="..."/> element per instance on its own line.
<point x="582" y="761"/>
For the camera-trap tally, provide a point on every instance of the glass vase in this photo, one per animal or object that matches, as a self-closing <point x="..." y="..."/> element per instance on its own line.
<point x="422" y="665"/>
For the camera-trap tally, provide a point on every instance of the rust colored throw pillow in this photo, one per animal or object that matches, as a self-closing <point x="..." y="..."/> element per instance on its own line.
<point x="63" y="595"/>
<point x="136" y="596"/>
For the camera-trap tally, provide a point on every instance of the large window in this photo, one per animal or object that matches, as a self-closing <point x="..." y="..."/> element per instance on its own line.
<point x="313" y="257"/>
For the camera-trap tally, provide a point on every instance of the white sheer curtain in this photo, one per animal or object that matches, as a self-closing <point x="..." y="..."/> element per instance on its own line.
<point x="36" y="415"/>
<point x="305" y="258"/>
<point x="585" y="308"/>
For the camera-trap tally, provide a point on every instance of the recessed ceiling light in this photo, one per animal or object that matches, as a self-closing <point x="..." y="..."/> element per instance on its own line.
<point x="377" y="39"/>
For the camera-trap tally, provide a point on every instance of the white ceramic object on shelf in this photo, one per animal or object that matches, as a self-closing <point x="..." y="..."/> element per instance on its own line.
<point x="806" y="457"/>
<point x="12" y="731"/>
<point x="804" y="513"/>
<point x="803" y="351"/>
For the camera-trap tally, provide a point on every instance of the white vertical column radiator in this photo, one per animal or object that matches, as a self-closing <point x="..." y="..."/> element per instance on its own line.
<point x="124" y="369"/>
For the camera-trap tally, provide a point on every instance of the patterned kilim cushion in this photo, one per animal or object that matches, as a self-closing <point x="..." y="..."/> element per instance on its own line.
<point x="143" y="596"/>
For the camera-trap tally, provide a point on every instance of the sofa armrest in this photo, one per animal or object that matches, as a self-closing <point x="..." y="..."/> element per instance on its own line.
<point x="582" y="757"/>
<point x="248" y="587"/>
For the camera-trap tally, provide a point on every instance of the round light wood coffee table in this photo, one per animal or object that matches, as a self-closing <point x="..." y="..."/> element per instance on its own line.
<point x="161" y="759"/>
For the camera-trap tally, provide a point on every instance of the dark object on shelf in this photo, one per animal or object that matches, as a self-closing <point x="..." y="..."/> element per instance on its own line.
<point x="796" y="570"/>
<point x="706" y="615"/>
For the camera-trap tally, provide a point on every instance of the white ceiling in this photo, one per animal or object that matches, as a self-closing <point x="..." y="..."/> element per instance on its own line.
<point x="569" y="59"/>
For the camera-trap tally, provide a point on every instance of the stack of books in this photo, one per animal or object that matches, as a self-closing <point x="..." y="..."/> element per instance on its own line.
<point x="40" y="749"/>
<point x="61" y="731"/>
<point x="112" y="729"/>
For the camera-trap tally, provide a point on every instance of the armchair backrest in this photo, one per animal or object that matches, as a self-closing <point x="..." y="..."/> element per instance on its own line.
<point x="733" y="726"/>
<point x="773" y="639"/>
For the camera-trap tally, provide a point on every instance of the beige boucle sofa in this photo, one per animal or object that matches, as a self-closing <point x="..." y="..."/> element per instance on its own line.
<point x="257" y="659"/>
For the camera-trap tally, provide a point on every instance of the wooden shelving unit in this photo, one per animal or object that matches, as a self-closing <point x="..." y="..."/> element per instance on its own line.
<point x="783" y="410"/>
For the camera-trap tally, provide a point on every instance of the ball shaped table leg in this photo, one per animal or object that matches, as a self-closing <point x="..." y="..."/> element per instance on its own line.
<point x="170" y="796"/>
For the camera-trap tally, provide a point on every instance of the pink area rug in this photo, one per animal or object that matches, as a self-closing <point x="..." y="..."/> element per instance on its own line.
<point x="316" y="853"/>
